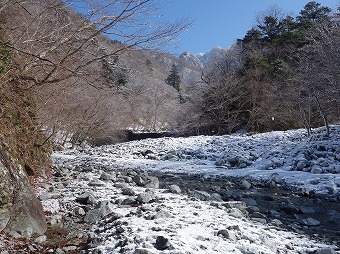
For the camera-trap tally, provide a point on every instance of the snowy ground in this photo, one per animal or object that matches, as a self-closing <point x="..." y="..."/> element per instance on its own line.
<point x="182" y="223"/>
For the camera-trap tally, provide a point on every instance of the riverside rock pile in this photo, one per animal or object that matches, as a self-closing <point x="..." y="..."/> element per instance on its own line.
<point x="124" y="211"/>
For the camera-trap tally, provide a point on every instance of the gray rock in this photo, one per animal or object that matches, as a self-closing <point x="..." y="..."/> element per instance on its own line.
<point x="249" y="201"/>
<point x="79" y="211"/>
<point x="26" y="215"/>
<point x="228" y="234"/>
<point x="310" y="222"/>
<point x="129" y="201"/>
<point x="140" y="181"/>
<point x="145" y="197"/>
<point x="86" y="198"/>
<point x="301" y="164"/>
<point x="325" y="251"/>
<point x="40" y="239"/>
<point x="105" y="208"/>
<point x="93" y="216"/>
<point x="107" y="177"/>
<point x="96" y="182"/>
<point x="277" y="222"/>
<point x="289" y="207"/>
<point x="70" y="248"/>
<point x="45" y="196"/>
<point x="234" y="212"/>
<point x="59" y="251"/>
<point x="236" y="204"/>
<point x="143" y="251"/>
<point x="316" y="170"/>
<point x="276" y="178"/>
<point x="216" y="197"/>
<point x="258" y="215"/>
<point x="245" y="184"/>
<point x="162" y="243"/>
<point x="161" y="214"/>
<point x="274" y="214"/>
<point x="202" y="195"/>
<point x="175" y="189"/>
<point x="152" y="182"/>
<point x="307" y="210"/>
<point x="269" y="243"/>
<point x="15" y="234"/>
<point x="128" y="192"/>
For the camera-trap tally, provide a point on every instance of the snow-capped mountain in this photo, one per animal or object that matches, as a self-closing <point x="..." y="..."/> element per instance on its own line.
<point x="215" y="55"/>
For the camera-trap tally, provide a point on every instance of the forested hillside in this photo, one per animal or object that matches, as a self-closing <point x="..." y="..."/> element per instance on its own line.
<point x="286" y="75"/>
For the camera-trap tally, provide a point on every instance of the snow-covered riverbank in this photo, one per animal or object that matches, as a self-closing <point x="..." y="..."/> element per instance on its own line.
<point x="212" y="198"/>
<point x="130" y="217"/>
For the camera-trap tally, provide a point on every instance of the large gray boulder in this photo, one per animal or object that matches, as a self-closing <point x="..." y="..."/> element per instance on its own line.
<point x="20" y="210"/>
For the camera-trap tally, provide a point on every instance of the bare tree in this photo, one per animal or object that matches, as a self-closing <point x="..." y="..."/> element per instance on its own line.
<point x="60" y="54"/>
<point x="318" y="71"/>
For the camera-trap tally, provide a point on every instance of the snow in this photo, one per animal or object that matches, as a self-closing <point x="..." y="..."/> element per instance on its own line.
<point x="193" y="224"/>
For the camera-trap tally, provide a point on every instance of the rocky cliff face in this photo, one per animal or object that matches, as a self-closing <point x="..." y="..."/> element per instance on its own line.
<point x="20" y="210"/>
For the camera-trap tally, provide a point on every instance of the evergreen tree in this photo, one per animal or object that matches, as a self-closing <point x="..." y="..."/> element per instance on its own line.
<point x="174" y="79"/>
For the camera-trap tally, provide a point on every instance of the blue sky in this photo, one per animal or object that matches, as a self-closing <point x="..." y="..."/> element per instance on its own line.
<point x="221" y="22"/>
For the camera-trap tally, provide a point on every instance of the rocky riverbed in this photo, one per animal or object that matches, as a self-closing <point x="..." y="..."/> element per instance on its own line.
<point x="126" y="199"/>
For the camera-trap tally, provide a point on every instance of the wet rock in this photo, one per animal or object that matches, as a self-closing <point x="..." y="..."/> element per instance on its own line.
<point x="175" y="189"/>
<point x="162" y="243"/>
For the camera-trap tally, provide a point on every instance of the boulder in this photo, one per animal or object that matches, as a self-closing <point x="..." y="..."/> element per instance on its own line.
<point x="20" y="209"/>
<point x="228" y="234"/>
<point x="162" y="243"/>
<point x="145" y="197"/>
<point x="175" y="189"/>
